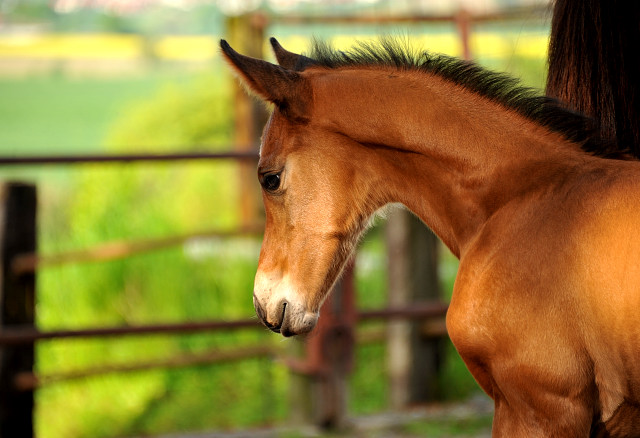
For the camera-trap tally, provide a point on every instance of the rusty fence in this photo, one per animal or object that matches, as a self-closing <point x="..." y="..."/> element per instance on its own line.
<point x="327" y="356"/>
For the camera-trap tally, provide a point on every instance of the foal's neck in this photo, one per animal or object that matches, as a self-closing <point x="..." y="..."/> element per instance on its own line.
<point x="453" y="157"/>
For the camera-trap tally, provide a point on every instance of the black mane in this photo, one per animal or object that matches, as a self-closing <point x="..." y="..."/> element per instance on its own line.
<point x="498" y="87"/>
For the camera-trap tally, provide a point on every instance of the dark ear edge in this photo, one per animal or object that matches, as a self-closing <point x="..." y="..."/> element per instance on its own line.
<point x="287" y="89"/>
<point x="289" y="60"/>
<point x="269" y="81"/>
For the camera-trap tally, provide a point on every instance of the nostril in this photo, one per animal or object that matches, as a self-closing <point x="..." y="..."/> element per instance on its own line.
<point x="262" y="314"/>
<point x="277" y="326"/>
<point x="259" y="309"/>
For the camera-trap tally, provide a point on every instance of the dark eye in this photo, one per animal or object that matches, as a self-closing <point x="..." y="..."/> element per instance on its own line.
<point x="271" y="182"/>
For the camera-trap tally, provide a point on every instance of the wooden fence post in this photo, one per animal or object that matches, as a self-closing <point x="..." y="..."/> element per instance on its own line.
<point x="17" y="305"/>
<point x="463" y="23"/>
<point x="246" y="35"/>
<point x="413" y="359"/>
<point x="319" y="382"/>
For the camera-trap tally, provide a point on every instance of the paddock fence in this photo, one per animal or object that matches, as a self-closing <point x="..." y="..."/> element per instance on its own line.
<point x="327" y="359"/>
<point x="328" y="356"/>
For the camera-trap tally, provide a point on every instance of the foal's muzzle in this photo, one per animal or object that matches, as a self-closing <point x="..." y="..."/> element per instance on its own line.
<point x="275" y="326"/>
<point x="285" y="318"/>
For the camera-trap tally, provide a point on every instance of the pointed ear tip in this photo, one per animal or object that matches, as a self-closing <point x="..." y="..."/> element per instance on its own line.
<point x="275" y="45"/>
<point x="224" y="45"/>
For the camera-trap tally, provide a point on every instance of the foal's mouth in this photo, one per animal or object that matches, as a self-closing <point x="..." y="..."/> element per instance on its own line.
<point x="278" y="326"/>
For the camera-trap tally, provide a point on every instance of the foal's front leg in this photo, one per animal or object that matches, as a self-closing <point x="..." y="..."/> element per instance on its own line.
<point x="522" y="351"/>
<point x="541" y="385"/>
<point x="527" y="406"/>
<point x="534" y="401"/>
<point x="516" y="422"/>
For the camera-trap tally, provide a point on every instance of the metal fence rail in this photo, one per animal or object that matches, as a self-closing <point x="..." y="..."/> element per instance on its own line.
<point x="30" y="262"/>
<point x="41" y="160"/>
<point x="19" y="336"/>
<point x="29" y="381"/>
<point x="337" y="331"/>
<point x="28" y="335"/>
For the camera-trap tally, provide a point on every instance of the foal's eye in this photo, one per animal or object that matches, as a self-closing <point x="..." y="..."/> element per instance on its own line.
<point x="271" y="182"/>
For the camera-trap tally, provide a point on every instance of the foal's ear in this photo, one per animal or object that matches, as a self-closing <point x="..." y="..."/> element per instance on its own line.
<point x="289" y="60"/>
<point x="287" y="89"/>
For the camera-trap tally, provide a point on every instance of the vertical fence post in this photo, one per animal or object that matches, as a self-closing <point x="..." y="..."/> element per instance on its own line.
<point x="319" y="383"/>
<point x="246" y="35"/>
<point x="17" y="305"/>
<point x="413" y="360"/>
<point x="398" y="346"/>
<point x="463" y="23"/>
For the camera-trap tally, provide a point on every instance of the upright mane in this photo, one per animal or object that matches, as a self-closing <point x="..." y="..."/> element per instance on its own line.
<point x="498" y="87"/>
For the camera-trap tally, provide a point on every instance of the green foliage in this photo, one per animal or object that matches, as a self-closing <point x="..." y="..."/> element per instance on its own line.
<point x="369" y="382"/>
<point x="531" y="72"/>
<point x="140" y="202"/>
<point x="202" y="279"/>
<point x="455" y="380"/>
<point x="205" y="278"/>
<point x="190" y="116"/>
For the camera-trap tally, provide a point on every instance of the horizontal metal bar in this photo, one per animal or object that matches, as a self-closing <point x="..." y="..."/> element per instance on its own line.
<point x="126" y="158"/>
<point x="28" y="335"/>
<point x="358" y="19"/>
<point x="25" y="263"/>
<point x="28" y="381"/>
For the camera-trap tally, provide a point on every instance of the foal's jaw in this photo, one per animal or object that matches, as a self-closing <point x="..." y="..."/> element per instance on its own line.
<point x="280" y="308"/>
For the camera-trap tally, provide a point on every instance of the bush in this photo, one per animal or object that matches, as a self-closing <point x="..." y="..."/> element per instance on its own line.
<point x="199" y="280"/>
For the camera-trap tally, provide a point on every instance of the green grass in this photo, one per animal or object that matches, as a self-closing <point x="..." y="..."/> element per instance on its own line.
<point x="446" y="426"/>
<point x="48" y="115"/>
<point x="450" y="427"/>
<point x="56" y="114"/>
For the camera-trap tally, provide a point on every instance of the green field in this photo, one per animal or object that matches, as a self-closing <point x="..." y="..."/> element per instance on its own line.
<point x="55" y="114"/>
<point x="80" y="207"/>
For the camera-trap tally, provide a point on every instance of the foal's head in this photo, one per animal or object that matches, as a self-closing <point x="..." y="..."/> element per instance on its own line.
<point x="316" y="198"/>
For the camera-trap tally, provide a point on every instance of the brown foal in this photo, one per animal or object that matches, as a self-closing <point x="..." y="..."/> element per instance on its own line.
<point x="545" y="305"/>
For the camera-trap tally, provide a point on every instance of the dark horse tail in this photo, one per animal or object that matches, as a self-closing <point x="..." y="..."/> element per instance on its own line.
<point x="594" y="69"/>
<point x="594" y="66"/>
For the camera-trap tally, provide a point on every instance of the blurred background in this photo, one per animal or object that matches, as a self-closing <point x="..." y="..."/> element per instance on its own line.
<point x="116" y="77"/>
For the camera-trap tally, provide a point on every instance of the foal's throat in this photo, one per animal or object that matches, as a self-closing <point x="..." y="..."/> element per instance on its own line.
<point x="453" y="157"/>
